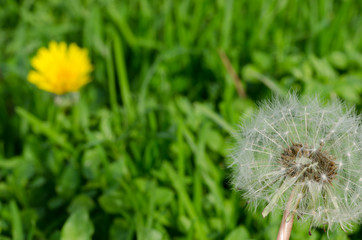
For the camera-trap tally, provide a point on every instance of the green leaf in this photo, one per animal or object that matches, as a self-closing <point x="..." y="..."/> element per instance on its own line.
<point x="120" y="230"/>
<point x="17" y="226"/>
<point x="239" y="233"/>
<point x="44" y="128"/>
<point x="214" y="140"/>
<point x="81" y="201"/>
<point x="111" y="202"/>
<point x="163" y="196"/>
<point x="78" y="226"/>
<point x="91" y="164"/>
<point x="338" y="60"/>
<point x="68" y="182"/>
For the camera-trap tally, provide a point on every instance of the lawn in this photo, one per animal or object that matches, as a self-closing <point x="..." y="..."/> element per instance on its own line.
<point x="141" y="152"/>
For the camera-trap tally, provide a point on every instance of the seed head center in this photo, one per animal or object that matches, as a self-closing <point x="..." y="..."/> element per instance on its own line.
<point x="303" y="160"/>
<point x="308" y="163"/>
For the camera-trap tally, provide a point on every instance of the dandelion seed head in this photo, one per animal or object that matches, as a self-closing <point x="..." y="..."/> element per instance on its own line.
<point x="300" y="146"/>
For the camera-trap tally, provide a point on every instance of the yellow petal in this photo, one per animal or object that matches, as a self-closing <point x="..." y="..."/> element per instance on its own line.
<point x="60" y="69"/>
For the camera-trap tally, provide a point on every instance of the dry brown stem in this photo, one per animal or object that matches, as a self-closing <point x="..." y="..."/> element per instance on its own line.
<point x="229" y="68"/>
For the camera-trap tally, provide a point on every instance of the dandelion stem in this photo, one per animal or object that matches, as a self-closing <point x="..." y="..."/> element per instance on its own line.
<point x="287" y="221"/>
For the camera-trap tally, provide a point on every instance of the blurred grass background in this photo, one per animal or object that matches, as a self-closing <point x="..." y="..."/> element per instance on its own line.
<point x="142" y="154"/>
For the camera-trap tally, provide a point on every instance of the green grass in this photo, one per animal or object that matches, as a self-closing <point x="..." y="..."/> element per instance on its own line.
<point x="143" y="153"/>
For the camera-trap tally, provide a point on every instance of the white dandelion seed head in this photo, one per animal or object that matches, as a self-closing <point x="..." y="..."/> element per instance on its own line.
<point x="306" y="151"/>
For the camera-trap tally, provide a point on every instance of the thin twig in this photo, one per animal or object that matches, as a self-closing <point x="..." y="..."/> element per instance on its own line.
<point x="286" y="226"/>
<point x="229" y="68"/>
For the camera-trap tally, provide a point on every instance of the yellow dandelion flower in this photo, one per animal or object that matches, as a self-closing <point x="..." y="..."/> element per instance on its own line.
<point x="60" y="69"/>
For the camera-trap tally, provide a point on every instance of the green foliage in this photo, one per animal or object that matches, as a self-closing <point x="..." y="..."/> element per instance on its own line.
<point x="142" y="153"/>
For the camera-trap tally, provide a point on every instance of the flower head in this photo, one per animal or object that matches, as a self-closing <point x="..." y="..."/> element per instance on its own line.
<point x="309" y="155"/>
<point x="60" y="69"/>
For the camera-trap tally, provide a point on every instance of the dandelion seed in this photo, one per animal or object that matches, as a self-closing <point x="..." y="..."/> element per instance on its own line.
<point x="60" y="69"/>
<point x="295" y="163"/>
<point x="324" y="177"/>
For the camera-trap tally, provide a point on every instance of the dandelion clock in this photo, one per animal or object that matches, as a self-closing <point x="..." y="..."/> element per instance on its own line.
<point x="304" y="158"/>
